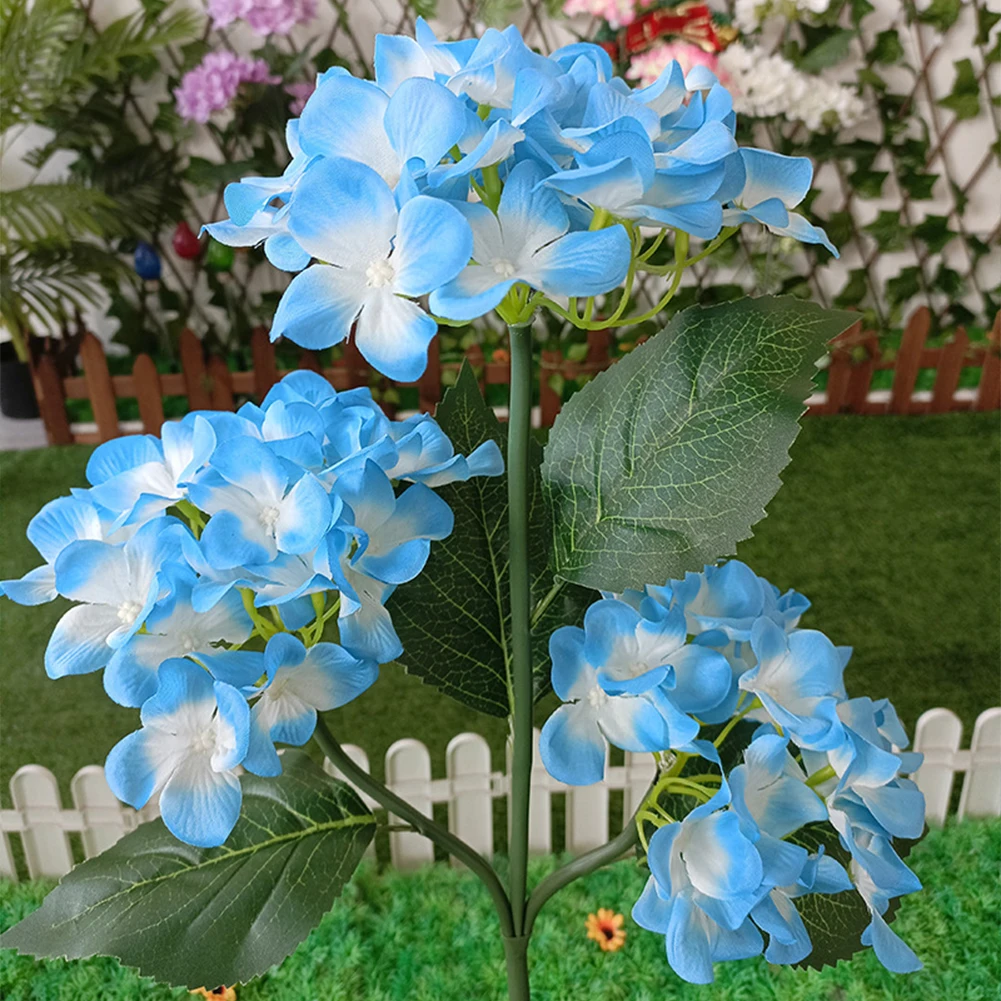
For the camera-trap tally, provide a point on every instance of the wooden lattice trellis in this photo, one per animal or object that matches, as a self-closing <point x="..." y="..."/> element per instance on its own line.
<point x="966" y="192"/>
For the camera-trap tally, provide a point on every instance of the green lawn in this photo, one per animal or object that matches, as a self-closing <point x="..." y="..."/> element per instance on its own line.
<point x="431" y="936"/>
<point x="890" y="526"/>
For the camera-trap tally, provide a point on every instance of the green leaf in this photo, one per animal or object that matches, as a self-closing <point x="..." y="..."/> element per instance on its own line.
<point x="834" y="49"/>
<point x="454" y="619"/>
<point x="868" y="183"/>
<point x="888" y="231"/>
<point x="887" y="48"/>
<point x="934" y="232"/>
<point x="835" y="921"/>
<point x="664" y="462"/>
<point x="986" y="19"/>
<point x="855" y="289"/>
<point x="965" y="97"/>
<point x="207" y="176"/>
<point x="941" y="14"/>
<point x="919" y="186"/>
<point x="949" y="281"/>
<point x="905" y="285"/>
<point x="200" y="917"/>
<point x="859" y="9"/>
<point x="839" y="227"/>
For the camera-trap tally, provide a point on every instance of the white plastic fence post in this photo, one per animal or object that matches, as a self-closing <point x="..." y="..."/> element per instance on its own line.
<point x="35" y="793"/>
<point x="540" y="814"/>
<point x="981" y="795"/>
<point x="408" y="774"/>
<point x="587" y="815"/>
<point x="360" y="758"/>
<point x="640" y="769"/>
<point x="937" y="736"/>
<point x="103" y="821"/>
<point x="7" y="868"/>
<point x="470" y="805"/>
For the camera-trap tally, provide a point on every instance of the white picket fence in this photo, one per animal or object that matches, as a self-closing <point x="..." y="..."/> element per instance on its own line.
<point x="469" y="788"/>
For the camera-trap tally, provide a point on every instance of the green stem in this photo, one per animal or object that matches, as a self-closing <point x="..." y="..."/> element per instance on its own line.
<point x="755" y="703"/>
<point x="516" y="959"/>
<point x="820" y="777"/>
<point x="543" y="606"/>
<point x="520" y="592"/>
<point x="424" y="825"/>
<point x="586" y="863"/>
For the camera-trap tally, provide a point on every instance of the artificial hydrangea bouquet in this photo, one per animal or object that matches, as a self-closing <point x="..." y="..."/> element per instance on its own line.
<point x="247" y="572"/>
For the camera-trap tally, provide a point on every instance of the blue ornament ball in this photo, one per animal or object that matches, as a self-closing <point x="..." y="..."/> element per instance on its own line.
<point x="146" y="261"/>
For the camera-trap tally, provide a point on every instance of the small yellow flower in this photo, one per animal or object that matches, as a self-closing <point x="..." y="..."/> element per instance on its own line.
<point x="606" y="929"/>
<point x="220" y="993"/>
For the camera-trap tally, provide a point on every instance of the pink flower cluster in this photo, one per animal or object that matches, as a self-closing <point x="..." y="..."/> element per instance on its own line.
<point x="266" y="17"/>
<point x="211" y="85"/>
<point x="300" y="94"/>
<point x="645" y="67"/>
<point x="617" y="13"/>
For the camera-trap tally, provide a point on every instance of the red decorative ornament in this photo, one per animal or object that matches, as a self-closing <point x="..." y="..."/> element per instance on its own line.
<point x="185" y="242"/>
<point x="691" y="21"/>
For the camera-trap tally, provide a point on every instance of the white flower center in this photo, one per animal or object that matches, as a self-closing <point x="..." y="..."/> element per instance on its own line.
<point x="189" y="644"/>
<point x="597" y="697"/>
<point x="128" y="611"/>
<point x="204" y="741"/>
<point x="504" y="267"/>
<point x="379" y="273"/>
<point x="268" y="517"/>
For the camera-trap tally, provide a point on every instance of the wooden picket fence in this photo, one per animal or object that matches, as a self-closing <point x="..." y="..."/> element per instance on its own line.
<point x="469" y="789"/>
<point x="208" y="384"/>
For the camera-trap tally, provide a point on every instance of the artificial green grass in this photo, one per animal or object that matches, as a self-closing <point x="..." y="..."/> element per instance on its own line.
<point x="890" y="526"/>
<point x="431" y="936"/>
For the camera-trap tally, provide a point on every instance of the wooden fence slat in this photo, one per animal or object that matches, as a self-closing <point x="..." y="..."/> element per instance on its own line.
<point x="104" y="822"/>
<point x="356" y="366"/>
<point x="470" y="808"/>
<point x="599" y="347"/>
<point x="989" y="389"/>
<point x="550" y="402"/>
<point x="474" y="354"/>
<point x="149" y="394"/>
<point x="100" y="390"/>
<point x="262" y="353"/>
<point x="221" y="383"/>
<point x="429" y="384"/>
<point x="861" y="377"/>
<point x="35" y="792"/>
<point x="52" y="402"/>
<point x="937" y="736"/>
<point x="839" y="374"/>
<point x="981" y="795"/>
<point x="310" y="361"/>
<point x="193" y="366"/>
<point x="408" y="774"/>
<point x="909" y="361"/>
<point x="950" y="366"/>
<point x="587" y="816"/>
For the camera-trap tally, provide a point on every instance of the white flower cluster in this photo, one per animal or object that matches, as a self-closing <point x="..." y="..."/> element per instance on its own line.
<point x="766" y="85"/>
<point x="749" y="15"/>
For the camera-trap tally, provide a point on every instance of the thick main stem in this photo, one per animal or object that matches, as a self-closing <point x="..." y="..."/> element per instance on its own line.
<point x="425" y="825"/>
<point x="522" y="693"/>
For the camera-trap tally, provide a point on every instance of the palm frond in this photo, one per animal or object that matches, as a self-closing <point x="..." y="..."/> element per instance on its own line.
<point x="49" y="51"/>
<point x="58" y="213"/>
<point x="47" y="283"/>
